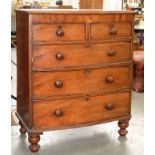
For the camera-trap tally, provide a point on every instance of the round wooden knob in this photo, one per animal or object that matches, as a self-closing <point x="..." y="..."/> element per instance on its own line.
<point x="58" y="113"/>
<point x="109" y="106"/>
<point x="58" y="83"/>
<point x="109" y="79"/>
<point x="59" y="56"/>
<point x="60" y="32"/>
<point x="111" y="52"/>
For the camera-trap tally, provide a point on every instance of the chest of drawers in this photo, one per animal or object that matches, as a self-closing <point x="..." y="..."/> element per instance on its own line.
<point x="74" y="68"/>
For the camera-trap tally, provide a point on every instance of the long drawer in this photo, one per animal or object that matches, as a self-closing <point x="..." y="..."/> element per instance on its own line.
<point x="69" y="112"/>
<point x="57" y="32"/>
<point x="46" y="84"/>
<point x="80" y="54"/>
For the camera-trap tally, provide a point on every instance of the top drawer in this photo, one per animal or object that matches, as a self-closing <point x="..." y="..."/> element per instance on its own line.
<point x="109" y="30"/>
<point x="55" y="32"/>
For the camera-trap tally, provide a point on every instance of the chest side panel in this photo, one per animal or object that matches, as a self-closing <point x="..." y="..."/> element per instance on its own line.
<point x="23" y="83"/>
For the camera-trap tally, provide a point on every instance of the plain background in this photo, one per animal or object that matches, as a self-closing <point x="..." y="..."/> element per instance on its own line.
<point x="5" y="77"/>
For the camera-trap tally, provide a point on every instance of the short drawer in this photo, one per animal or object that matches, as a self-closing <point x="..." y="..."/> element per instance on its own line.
<point x="82" y="54"/>
<point x="73" y="112"/>
<point x="107" y="30"/>
<point x="47" y="84"/>
<point x="58" y="33"/>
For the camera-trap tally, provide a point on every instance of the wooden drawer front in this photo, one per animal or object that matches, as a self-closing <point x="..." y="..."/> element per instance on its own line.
<point x="76" y="82"/>
<point x="70" y="112"/>
<point x="75" y="55"/>
<point x="106" y="30"/>
<point x="54" y="32"/>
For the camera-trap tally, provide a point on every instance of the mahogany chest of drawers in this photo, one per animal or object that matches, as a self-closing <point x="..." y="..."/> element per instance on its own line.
<point x="74" y="68"/>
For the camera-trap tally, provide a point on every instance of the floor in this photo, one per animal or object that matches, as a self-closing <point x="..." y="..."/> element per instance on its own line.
<point x="94" y="140"/>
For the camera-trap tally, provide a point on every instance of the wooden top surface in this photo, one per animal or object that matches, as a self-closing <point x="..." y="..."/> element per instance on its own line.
<point x="72" y="11"/>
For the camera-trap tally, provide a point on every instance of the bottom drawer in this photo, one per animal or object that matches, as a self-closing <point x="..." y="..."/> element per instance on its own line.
<point x="85" y="110"/>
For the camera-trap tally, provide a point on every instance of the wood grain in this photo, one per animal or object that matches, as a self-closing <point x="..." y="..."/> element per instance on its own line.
<point x="23" y="83"/>
<point x="41" y="19"/>
<point x="81" y="54"/>
<point x="80" y="110"/>
<point x="101" y="30"/>
<point x="83" y="81"/>
<point x="92" y="18"/>
<point x="47" y="32"/>
<point x="75" y="12"/>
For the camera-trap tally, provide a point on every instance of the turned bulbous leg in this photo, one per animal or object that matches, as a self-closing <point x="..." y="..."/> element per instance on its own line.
<point x="123" y="124"/>
<point x="22" y="129"/>
<point x="34" y="139"/>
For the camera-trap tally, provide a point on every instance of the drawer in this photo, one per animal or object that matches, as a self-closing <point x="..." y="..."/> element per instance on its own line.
<point x="70" y="112"/>
<point x="48" y="84"/>
<point x="56" y="33"/>
<point x="81" y="54"/>
<point x="107" y="30"/>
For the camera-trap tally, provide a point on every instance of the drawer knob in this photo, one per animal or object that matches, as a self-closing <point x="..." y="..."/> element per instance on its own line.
<point x="59" y="56"/>
<point x="58" y="83"/>
<point x="60" y="32"/>
<point x="109" y="106"/>
<point x="58" y="113"/>
<point x="109" y="79"/>
<point x="111" y="52"/>
<point x="112" y="30"/>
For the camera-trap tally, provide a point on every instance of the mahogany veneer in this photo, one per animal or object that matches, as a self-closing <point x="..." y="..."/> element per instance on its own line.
<point x="82" y="54"/>
<point x="74" y="68"/>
